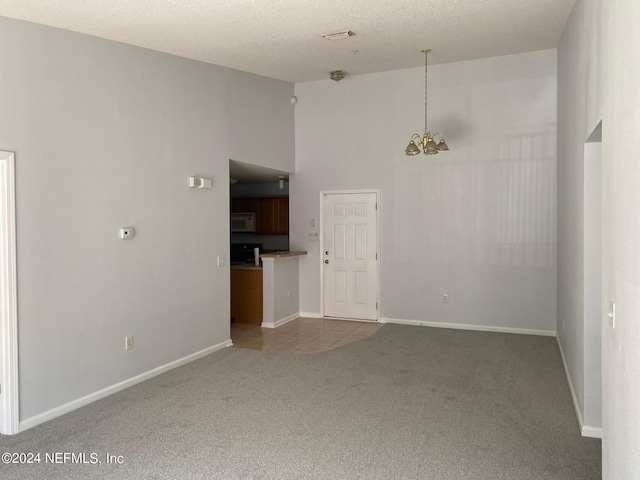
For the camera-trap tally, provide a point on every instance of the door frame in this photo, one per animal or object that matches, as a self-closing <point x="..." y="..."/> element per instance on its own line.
<point x="325" y="193"/>
<point x="9" y="401"/>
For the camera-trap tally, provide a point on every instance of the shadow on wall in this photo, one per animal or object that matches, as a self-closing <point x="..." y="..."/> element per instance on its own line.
<point x="498" y="208"/>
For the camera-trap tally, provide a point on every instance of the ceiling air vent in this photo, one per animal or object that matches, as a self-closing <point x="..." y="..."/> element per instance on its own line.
<point x="338" y="35"/>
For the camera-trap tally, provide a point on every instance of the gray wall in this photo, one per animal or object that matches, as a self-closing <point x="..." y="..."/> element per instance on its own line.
<point x="598" y="80"/>
<point x="577" y="118"/>
<point x="105" y="136"/>
<point x="477" y="222"/>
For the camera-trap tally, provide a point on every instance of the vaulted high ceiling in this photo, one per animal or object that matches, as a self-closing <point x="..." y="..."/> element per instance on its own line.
<point x="282" y="38"/>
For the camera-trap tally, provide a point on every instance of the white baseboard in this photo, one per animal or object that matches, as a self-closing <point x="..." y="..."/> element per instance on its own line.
<point x="462" y="326"/>
<point x="591" y="432"/>
<point x="105" y="392"/>
<point x="585" y="430"/>
<point x="282" y="321"/>
<point x="310" y="315"/>
<point x="574" y="398"/>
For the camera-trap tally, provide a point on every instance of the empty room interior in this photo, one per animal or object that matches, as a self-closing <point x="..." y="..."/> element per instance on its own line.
<point x="291" y="240"/>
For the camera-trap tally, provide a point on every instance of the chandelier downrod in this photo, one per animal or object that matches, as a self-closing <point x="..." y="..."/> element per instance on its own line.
<point x="426" y="76"/>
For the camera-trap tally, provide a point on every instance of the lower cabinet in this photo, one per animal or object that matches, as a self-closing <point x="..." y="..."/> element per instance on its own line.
<point x="246" y="295"/>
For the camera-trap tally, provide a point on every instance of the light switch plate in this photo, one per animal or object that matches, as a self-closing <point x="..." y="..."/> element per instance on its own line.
<point x="200" y="182"/>
<point x="612" y="313"/>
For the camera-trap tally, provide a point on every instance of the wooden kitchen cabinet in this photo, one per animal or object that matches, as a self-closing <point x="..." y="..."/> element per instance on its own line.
<point x="281" y="208"/>
<point x="272" y="216"/>
<point x="241" y="205"/>
<point x="246" y="295"/>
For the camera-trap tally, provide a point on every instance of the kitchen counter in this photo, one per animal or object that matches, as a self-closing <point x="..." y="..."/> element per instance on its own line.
<point x="282" y="254"/>
<point x="266" y="295"/>
<point x="281" y="299"/>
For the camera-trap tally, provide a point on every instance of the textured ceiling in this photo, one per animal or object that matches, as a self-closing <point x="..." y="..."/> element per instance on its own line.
<point x="282" y="38"/>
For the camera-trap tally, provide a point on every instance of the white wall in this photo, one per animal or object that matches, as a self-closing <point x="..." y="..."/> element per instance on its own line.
<point x="256" y="108"/>
<point x="577" y="118"/>
<point x="477" y="222"/>
<point x="597" y="80"/>
<point x="592" y="301"/>
<point x="281" y="297"/>
<point x="106" y="136"/>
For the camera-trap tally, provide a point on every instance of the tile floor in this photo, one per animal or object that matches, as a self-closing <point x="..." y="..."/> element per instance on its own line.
<point x="303" y="335"/>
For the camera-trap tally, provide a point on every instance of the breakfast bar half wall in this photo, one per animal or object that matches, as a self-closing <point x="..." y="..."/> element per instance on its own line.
<point x="280" y="286"/>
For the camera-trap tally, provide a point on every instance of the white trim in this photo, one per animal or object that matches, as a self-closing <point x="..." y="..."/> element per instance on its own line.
<point x="282" y="321"/>
<point x="585" y="430"/>
<point x="310" y="315"/>
<point x="375" y="191"/>
<point x="591" y="432"/>
<point x="462" y="326"/>
<point x="361" y="320"/>
<point x="574" y="397"/>
<point x="105" y="392"/>
<point x="9" y="400"/>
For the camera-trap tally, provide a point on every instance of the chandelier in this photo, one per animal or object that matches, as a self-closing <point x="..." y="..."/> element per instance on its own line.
<point x="429" y="146"/>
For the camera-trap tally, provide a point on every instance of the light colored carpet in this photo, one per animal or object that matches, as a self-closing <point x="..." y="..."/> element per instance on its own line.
<point x="406" y="403"/>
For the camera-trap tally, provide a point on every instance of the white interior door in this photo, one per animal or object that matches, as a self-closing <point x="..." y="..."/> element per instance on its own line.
<point x="349" y="255"/>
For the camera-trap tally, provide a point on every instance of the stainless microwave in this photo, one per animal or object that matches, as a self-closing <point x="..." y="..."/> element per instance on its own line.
<point x="243" y="222"/>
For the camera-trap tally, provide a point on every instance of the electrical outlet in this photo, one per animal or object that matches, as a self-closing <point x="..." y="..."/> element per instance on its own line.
<point x="128" y="342"/>
<point x="445" y="298"/>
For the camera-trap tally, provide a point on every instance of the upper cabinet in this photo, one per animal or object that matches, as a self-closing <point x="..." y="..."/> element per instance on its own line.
<point x="272" y="214"/>
<point x="241" y="205"/>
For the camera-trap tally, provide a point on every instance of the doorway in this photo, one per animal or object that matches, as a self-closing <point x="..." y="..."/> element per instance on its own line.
<point x="9" y="415"/>
<point x="350" y="271"/>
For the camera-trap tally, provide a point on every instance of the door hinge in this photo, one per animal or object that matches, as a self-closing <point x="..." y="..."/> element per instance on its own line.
<point x="376" y="255"/>
<point x="376" y="205"/>
<point x="376" y="305"/>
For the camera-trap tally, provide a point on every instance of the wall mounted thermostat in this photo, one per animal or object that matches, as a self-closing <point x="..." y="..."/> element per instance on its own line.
<point x="127" y="233"/>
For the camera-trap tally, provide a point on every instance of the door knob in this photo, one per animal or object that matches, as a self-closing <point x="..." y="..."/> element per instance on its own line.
<point x="326" y="252"/>
<point x="326" y="261"/>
